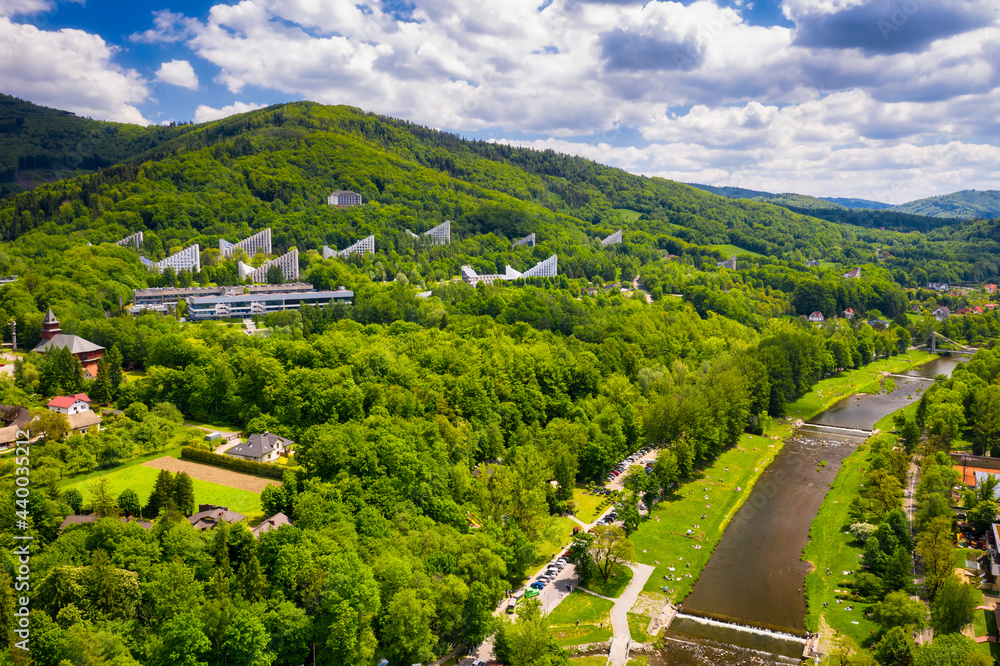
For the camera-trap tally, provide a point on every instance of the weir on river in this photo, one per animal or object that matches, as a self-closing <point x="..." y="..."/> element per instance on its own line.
<point x="755" y="577"/>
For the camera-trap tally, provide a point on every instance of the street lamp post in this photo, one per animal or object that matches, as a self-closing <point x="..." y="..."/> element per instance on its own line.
<point x="13" y="335"/>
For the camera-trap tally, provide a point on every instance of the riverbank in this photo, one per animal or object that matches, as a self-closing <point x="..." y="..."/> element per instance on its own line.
<point x="716" y="493"/>
<point x="829" y="391"/>
<point x="721" y="489"/>
<point x="831" y="547"/>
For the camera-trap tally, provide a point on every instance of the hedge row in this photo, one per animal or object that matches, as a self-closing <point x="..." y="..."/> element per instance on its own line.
<point x="236" y="464"/>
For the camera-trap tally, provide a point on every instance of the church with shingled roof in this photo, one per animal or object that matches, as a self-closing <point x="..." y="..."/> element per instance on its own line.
<point x="85" y="351"/>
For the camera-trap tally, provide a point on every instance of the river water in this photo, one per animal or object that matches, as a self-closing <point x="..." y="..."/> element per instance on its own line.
<point x="754" y="581"/>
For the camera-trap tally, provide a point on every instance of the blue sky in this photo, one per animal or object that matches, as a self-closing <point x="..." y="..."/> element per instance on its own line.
<point x="884" y="99"/>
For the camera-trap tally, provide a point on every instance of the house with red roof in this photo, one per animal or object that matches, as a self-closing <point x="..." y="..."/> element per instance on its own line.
<point x="77" y="410"/>
<point x="849" y="313"/>
<point x="816" y="317"/>
<point x="990" y="288"/>
<point x="69" y="404"/>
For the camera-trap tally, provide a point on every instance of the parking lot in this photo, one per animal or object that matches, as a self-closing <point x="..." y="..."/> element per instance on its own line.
<point x="616" y="481"/>
<point x="555" y="581"/>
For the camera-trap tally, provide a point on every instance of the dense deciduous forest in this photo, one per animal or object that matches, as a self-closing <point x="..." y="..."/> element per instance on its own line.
<point x="436" y="435"/>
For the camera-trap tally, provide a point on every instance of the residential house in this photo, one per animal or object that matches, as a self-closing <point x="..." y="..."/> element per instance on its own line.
<point x="211" y="515"/>
<point x="941" y="313"/>
<point x="849" y="313"/>
<point x="938" y="286"/>
<point x="263" y="448"/>
<point x="853" y="275"/>
<point x="812" y="262"/>
<point x="69" y="404"/>
<point x="77" y="410"/>
<point x="878" y="324"/>
<point x="272" y="523"/>
<point x="93" y="518"/>
<point x="15" y="419"/>
<point x="990" y="288"/>
<point x="816" y="317"/>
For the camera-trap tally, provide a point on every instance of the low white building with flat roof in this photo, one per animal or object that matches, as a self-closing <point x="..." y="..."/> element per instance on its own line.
<point x="242" y="306"/>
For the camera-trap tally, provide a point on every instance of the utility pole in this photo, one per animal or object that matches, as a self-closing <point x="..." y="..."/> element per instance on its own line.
<point x="13" y="335"/>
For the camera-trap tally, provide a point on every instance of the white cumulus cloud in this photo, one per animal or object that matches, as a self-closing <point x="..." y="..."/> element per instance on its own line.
<point x="204" y="114"/>
<point x="179" y="73"/>
<point x="69" y="69"/>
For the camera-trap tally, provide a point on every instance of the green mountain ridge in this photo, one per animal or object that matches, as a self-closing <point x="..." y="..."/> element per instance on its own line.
<point x="966" y="204"/>
<point x="274" y="167"/>
<point x="963" y="205"/>
<point x="39" y="144"/>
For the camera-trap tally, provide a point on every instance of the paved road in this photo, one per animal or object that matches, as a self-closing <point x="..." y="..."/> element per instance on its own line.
<point x="550" y="596"/>
<point x="909" y="506"/>
<point x="638" y="287"/>
<point x="619" y="614"/>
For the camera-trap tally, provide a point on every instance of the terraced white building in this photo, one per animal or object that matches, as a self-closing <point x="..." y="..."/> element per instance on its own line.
<point x="288" y="263"/>
<point x="362" y="247"/>
<point x="259" y="242"/>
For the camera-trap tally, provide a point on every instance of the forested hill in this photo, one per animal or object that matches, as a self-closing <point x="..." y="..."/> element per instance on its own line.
<point x="274" y="168"/>
<point x="39" y="144"/>
<point x="965" y="204"/>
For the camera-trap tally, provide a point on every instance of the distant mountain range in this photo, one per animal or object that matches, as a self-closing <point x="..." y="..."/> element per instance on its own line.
<point x="957" y="205"/>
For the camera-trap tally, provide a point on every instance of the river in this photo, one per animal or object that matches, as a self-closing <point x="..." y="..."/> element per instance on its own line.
<point x="755" y="577"/>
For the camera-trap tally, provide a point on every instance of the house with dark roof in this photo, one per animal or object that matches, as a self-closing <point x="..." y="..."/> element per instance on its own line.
<point x="211" y="515"/>
<point x="272" y="523"/>
<point x="93" y="518"/>
<point x="15" y="419"/>
<point x="85" y="351"/>
<point x="941" y="313"/>
<point x="264" y="447"/>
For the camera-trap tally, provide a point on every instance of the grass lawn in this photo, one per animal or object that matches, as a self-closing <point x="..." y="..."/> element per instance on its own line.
<point x="595" y="660"/>
<point x="830" y="545"/>
<point x="591" y="611"/>
<point x="73" y="480"/>
<point x="637" y="624"/>
<point x="587" y="505"/>
<point x="132" y="375"/>
<point x="730" y="250"/>
<point x="885" y="424"/>
<point x="963" y="554"/>
<point x="985" y="623"/>
<point x="627" y="215"/>
<point x="665" y="543"/>
<point x="141" y="480"/>
<point x="832" y="389"/>
<point x="614" y="585"/>
<point x="556" y="535"/>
